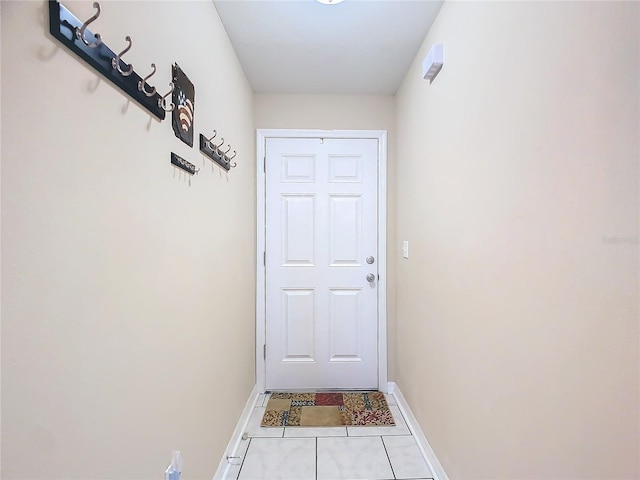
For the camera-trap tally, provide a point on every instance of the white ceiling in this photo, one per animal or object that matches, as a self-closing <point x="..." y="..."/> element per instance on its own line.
<point x="302" y="46"/>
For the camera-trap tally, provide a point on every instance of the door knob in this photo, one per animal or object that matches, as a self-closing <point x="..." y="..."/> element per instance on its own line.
<point x="371" y="277"/>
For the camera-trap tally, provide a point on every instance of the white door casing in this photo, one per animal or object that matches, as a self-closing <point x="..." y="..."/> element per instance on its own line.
<point x="325" y="214"/>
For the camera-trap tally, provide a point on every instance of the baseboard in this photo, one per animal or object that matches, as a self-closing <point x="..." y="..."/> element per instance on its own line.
<point x="236" y="437"/>
<point x="423" y="444"/>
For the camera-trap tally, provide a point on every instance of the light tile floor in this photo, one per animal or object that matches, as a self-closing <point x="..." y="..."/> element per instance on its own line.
<point x="335" y="453"/>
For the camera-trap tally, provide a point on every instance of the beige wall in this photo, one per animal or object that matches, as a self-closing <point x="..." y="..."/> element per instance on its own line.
<point x="127" y="287"/>
<point x="344" y="112"/>
<point x="517" y="311"/>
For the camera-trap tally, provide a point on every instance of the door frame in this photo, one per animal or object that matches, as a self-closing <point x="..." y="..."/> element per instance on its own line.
<point x="262" y="135"/>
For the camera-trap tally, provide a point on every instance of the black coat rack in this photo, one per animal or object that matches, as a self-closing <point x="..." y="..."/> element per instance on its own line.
<point x="75" y="35"/>
<point x="215" y="153"/>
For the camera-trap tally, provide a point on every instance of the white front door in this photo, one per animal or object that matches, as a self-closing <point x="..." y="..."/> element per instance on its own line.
<point x="321" y="244"/>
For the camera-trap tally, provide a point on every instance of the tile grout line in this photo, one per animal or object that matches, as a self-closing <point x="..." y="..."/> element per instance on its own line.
<point x="388" y="458"/>
<point x="316" y="458"/>
<point x="244" y="457"/>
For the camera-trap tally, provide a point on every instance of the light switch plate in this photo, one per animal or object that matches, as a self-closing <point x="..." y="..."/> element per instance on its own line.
<point x="405" y="249"/>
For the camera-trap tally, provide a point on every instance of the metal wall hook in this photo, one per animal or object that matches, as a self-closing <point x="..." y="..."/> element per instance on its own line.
<point x="163" y="101"/>
<point x="80" y="32"/>
<point x="141" y="83"/>
<point x="215" y="134"/>
<point x="234" y="164"/>
<point x="228" y="150"/>
<point x="116" y="61"/>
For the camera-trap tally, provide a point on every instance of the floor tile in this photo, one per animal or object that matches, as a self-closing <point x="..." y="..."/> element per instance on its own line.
<point x="352" y="458"/>
<point x="406" y="459"/>
<point x="255" y="430"/>
<point x="260" y="401"/>
<point x="315" y="432"/>
<point x="400" y="428"/>
<point x="280" y="458"/>
<point x="391" y="400"/>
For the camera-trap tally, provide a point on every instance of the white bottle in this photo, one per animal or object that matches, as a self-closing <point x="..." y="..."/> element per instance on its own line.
<point x="174" y="470"/>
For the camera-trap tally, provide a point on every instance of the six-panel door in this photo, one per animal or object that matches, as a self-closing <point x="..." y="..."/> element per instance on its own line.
<point x="321" y="225"/>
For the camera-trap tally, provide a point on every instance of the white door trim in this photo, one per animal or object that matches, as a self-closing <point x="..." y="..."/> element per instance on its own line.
<point x="381" y="136"/>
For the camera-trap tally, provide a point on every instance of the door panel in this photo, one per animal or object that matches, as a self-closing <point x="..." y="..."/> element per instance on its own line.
<point x="345" y="169"/>
<point x="297" y="321"/>
<point x="321" y="224"/>
<point x="345" y="323"/>
<point x="345" y="225"/>
<point x="298" y="168"/>
<point x="298" y="237"/>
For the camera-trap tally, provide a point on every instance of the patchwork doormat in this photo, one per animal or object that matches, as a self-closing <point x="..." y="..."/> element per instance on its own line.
<point x="327" y="409"/>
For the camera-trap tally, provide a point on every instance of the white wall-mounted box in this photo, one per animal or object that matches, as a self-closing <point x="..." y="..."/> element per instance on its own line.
<point x="432" y="63"/>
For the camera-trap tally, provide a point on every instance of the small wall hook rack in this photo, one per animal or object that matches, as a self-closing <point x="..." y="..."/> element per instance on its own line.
<point x="215" y="153"/>
<point x="75" y="35"/>
<point x="181" y="163"/>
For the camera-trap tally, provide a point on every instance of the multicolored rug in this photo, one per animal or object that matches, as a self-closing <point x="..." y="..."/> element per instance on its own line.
<point x="327" y="409"/>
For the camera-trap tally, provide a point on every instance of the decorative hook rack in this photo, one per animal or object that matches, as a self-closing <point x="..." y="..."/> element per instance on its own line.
<point x="213" y="151"/>
<point x="181" y="163"/>
<point x="75" y="35"/>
